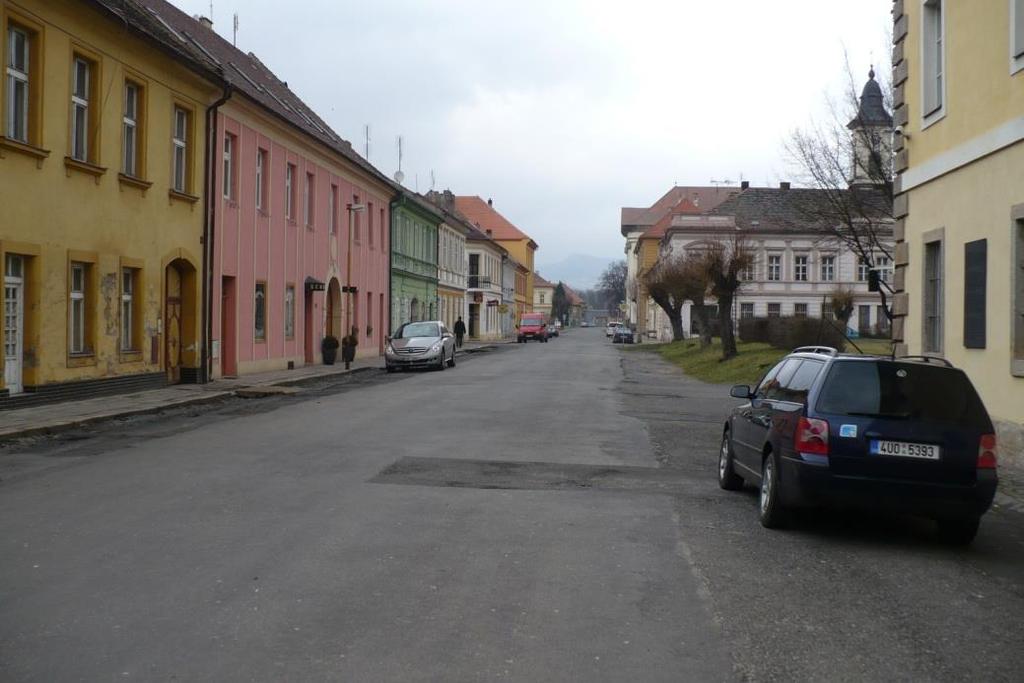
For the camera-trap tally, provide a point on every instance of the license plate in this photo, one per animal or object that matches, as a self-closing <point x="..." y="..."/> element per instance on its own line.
<point x="902" y="449"/>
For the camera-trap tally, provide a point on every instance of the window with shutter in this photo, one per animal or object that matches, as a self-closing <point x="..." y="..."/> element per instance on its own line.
<point x="975" y="272"/>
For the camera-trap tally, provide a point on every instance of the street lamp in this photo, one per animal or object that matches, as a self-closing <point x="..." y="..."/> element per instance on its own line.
<point x="349" y="288"/>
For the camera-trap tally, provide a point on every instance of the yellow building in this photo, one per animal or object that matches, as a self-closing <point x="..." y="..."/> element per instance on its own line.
<point x="101" y="197"/>
<point x="959" y="97"/>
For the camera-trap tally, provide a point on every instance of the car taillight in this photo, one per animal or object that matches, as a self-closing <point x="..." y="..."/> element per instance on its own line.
<point x="811" y="437"/>
<point x="987" y="452"/>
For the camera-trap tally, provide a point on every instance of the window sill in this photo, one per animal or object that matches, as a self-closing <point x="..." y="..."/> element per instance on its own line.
<point x="132" y="181"/>
<point x="131" y="356"/>
<point x="262" y="213"/>
<point x="85" y="167"/>
<point x="929" y="120"/>
<point x="311" y="228"/>
<point x="292" y="223"/>
<point x="38" y="153"/>
<point x="232" y="204"/>
<point x="182" y="196"/>
<point x="81" y="360"/>
<point x="260" y="341"/>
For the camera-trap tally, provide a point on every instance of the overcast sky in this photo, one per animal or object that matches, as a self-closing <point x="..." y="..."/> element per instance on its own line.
<point x="563" y="111"/>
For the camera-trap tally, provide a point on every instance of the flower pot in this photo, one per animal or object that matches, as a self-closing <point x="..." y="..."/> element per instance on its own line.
<point x="330" y="355"/>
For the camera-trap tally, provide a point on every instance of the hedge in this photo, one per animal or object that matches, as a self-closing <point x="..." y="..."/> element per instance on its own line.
<point x="787" y="333"/>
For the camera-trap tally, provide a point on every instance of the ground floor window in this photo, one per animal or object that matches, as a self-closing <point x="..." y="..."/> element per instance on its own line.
<point x="800" y="310"/>
<point x="77" y="308"/>
<point x="129" y="286"/>
<point x="289" y="312"/>
<point x="747" y="310"/>
<point x="774" y="310"/>
<point x="1017" y="291"/>
<point x="260" y="311"/>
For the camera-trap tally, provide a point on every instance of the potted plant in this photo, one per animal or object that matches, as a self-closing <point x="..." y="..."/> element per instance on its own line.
<point x="329" y="348"/>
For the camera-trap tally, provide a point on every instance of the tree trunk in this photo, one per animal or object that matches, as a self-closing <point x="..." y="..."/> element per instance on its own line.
<point x="676" y="318"/>
<point x="725" y="327"/>
<point x="700" y="316"/>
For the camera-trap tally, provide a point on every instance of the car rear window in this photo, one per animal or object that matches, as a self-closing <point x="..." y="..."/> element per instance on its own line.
<point x="902" y="391"/>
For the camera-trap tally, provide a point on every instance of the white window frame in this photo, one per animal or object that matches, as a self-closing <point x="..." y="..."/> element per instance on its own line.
<point x="1016" y="36"/>
<point x="261" y="155"/>
<point x="308" y="197"/>
<point x="229" y="166"/>
<point x="801" y="268"/>
<point x="289" y="181"/>
<point x="259" y="300"/>
<point x="127" y="309"/>
<point x="768" y="310"/>
<point x="933" y="62"/>
<point x="883" y="264"/>
<point x="828" y="268"/>
<point x="744" y="308"/>
<point x="76" y="307"/>
<point x="80" y="104"/>
<point x="130" y="131"/>
<point x="289" y="312"/>
<point x="18" y="79"/>
<point x="796" y="309"/>
<point x="774" y="268"/>
<point x="862" y="269"/>
<point x="332" y="210"/>
<point x="179" y="143"/>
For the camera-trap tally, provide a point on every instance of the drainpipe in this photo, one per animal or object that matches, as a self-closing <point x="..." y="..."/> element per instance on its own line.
<point x="391" y="222"/>
<point x="210" y="211"/>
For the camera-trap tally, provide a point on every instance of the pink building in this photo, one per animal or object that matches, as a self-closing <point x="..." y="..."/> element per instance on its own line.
<point x="300" y="239"/>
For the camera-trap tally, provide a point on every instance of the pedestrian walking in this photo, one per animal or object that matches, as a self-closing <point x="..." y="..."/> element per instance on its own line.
<point x="460" y="332"/>
<point x="348" y="347"/>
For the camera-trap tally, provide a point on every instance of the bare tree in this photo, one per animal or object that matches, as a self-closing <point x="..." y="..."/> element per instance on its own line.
<point x="612" y="284"/>
<point x="848" y="159"/>
<point x="671" y="282"/>
<point x="721" y="265"/>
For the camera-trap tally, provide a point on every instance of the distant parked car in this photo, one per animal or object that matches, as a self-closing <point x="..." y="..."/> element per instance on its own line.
<point x="584" y="324"/>
<point x="420" y="345"/>
<point x="907" y="435"/>
<point x="532" y="326"/>
<point x="622" y="335"/>
<point x="609" y="329"/>
<point x="552" y="330"/>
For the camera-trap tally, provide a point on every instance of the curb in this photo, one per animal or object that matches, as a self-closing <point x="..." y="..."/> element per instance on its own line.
<point x="312" y="378"/>
<point x="47" y="430"/>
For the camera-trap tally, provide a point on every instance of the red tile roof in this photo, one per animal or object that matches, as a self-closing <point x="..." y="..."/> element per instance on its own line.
<point x="683" y="208"/>
<point x="538" y="281"/>
<point x="480" y="213"/>
<point x="705" y="198"/>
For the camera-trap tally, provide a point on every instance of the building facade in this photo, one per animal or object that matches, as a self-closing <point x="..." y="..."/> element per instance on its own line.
<point x="543" y="295"/>
<point x="519" y="245"/>
<point x="959" y="97"/>
<point x="451" y="271"/>
<point x="101" y="198"/>
<point x="414" y="259"/>
<point x="484" y="294"/>
<point x="300" y="242"/>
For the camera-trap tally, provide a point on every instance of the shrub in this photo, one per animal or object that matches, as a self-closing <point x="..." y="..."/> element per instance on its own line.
<point x="790" y="332"/>
<point x="330" y="343"/>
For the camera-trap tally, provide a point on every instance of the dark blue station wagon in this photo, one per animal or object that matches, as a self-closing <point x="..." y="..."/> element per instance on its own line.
<point x="904" y="435"/>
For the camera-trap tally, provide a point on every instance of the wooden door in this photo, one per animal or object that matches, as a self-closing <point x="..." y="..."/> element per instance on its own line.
<point x="228" y="329"/>
<point x="172" y="326"/>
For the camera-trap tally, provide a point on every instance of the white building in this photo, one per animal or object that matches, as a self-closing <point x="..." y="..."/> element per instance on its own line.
<point x="484" y="295"/>
<point x="797" y="264"/>
<point x="452" y="266"/>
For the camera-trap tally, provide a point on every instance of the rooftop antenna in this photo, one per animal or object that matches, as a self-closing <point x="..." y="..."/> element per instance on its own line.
<point x="720" y="183"/>
<point x="366" y="147"/>
<point x="234" y="37"/>
<point x="399" y="176"/>
<point x="433" y="180"/>
<point x="417" y="177"/>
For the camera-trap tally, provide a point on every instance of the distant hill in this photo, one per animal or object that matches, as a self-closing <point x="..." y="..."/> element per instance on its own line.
<point x="579" y="271"/>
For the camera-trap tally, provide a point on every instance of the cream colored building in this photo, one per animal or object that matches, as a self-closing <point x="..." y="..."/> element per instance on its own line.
<point x="543" y="295"/>
<point x="959" y="97"/>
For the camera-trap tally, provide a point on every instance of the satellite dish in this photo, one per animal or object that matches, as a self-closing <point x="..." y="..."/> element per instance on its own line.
<point x="399" y="176"/>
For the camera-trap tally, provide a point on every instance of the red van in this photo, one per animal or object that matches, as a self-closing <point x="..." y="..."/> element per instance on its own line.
<point x="533" y="326"/>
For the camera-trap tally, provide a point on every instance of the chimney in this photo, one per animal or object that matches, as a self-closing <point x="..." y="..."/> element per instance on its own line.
<point x="744" y="184"/>
<point x="784" y="185"/>
<point x="490" y="202"/>
<point x="207" y="23"/>
<point x="488" y="232"/>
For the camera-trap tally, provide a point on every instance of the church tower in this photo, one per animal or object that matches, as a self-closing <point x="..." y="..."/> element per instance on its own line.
<point x="872" y="137"/>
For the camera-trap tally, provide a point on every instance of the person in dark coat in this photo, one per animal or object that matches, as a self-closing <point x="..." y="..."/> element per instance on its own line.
<point x="348" y="347"/>
<point x="460" y="331"/>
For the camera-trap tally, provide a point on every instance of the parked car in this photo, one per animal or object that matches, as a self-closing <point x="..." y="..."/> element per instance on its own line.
<point x="420" y="345"/>
<point x="622" y="335"/>
<point x="532" y="326"/>
<point x="552" y="330"/>
<point x="906" y="435"/>
<point x="609" y="329"/>
<point x="584" y="324"/>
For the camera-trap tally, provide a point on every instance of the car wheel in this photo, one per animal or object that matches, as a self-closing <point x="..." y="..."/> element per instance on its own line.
<point x="441" y="362"/>
<point x="772" y="514"/>
<point x="958" y="531"/>
<point x="389" y="368"/>
<point x="727" y="477"/>
<point x="451" y="361"/>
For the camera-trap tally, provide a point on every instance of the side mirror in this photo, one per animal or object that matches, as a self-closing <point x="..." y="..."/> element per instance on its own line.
<point x="740" y="391"/>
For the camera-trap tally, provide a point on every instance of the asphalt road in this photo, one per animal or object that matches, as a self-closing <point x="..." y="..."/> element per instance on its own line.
<point x="540" y="513"/>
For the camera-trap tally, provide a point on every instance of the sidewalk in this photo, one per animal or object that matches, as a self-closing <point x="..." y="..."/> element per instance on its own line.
<point x="56" y="417"/>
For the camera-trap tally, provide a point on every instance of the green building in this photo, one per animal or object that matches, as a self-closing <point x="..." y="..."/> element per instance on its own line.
<point x="414" y="229"/>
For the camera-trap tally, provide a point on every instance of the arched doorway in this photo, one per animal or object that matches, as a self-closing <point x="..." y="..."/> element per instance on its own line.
<point x="181" y="358"/>
<point x="334" y="309"/>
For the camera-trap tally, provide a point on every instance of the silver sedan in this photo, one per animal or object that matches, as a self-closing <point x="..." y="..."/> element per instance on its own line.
<point x="427" y="344"/>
